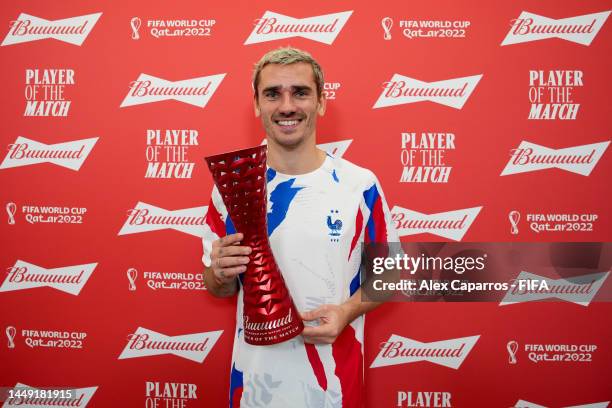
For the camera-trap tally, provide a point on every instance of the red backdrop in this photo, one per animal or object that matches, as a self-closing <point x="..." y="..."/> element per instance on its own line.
<point x="69" y="218"/>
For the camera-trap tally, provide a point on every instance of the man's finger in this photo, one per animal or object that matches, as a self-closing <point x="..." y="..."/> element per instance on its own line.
<point x="231" y="261"/>
<point x="234" y="250"/>
<point x="232" y="272"/>
<point x="318" y="340"/>
<point x="313" y="314"/>
<point x="230" y="239"/>
<point x="317" y="331"/>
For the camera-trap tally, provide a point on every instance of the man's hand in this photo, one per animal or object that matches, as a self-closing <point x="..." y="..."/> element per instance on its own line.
<point x="332" y="320"/>
<point x="228" y="259"/>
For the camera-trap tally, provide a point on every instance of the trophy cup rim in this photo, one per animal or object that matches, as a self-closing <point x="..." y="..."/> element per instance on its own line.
<point x="254" y="149"/>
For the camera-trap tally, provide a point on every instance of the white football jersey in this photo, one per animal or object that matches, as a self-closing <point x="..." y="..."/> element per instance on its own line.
<point x="316" y="224"/>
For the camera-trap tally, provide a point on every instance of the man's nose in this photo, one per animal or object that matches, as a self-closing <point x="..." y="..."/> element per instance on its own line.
<point x="286" y="104"/>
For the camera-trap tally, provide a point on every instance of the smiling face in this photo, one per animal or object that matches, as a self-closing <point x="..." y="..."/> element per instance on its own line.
<point x="288" y="104"/>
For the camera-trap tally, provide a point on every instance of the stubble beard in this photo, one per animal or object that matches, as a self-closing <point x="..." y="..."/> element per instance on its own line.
<point x="289" y="144"/>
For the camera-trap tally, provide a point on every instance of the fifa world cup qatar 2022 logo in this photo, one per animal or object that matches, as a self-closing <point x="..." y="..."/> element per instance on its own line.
<point x="512" y="348"/>
<point x="270" y="315"/>
<point x="132" y="274"/>
<point x="11" y="209"/>
<point x="387" y="23"/>
<point x="10" y="335"/>
<point x="135" y="24"/>
<point x="514" y="218"/>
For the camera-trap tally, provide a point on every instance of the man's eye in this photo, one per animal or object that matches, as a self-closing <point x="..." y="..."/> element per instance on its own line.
<point x="271" y="94"/>
<point x="301" y="93"/>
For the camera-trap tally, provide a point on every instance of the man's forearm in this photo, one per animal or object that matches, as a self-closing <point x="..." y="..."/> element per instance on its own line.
<point x="355" y="306"/>
<point x="218" y="288"/>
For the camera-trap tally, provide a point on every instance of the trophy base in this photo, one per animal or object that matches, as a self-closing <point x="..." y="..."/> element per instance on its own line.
<point x="274" y="329"/>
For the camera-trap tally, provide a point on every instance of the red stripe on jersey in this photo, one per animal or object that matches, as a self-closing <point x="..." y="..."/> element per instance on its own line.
<point x="236" y="397"/>
<point x="358" y="225"/>
<point x="377" y="216"/>
<point x="214" y="221"/>
<point x="380" y="226"/>
<point x="317" y="365"/>
<point x="346" y="351"/>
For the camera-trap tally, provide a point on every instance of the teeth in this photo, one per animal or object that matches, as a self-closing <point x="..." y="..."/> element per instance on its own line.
<point x="287" y="122"/>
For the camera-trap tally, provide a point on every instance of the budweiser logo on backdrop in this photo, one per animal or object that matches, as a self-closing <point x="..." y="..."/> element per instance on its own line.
<point x="194" y="91"/>
<point x="24" y="152"/>
<point x="450" y="224"/>
<point x="401" y="90"/>
<point x="579" y="289"/>
<point x="69" y="279"/>
<point x="402" y="350"/>
<point x="532" y="27"/>
<point x="72" y="397"/>
<point x="273" y="26"/>
<point x="72" y="30"/>
<point x="145" y="217"/>
<point x="526" y="404"/>
<point x="532" y="157"/>
<point x="336" y="149"/>
<point x="145" y="342"/>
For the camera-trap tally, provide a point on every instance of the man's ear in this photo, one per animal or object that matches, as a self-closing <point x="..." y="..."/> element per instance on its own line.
<point x="256" y="107"/>
<point x="322" y="104"/>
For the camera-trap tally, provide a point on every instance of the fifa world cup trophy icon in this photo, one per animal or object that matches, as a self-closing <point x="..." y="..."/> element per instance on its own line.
<point x="387" y="23"/>
<point x="11" y="209"/>
<point x="132" y="274"/>
<point x="269" y="314"/>
<point x="135" y="23"/>
<point x="10" y="335"/>
<point x="514" y="217"/>
<point x="512" y="348"/>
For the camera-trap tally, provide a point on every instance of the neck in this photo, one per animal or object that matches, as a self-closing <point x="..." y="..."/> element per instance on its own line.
<point x="296" y="160"/>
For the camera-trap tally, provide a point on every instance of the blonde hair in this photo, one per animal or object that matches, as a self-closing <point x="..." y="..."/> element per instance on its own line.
<point x="287" y="56"/>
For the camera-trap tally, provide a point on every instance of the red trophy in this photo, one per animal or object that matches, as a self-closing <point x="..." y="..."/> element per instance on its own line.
<point x="269" y="314"/>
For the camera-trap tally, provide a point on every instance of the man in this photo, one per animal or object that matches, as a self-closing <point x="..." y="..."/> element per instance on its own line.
<point x="320" y="209"/>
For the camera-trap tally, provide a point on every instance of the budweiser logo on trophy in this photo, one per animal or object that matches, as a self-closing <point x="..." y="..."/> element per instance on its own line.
<point x="270" y="315"/>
